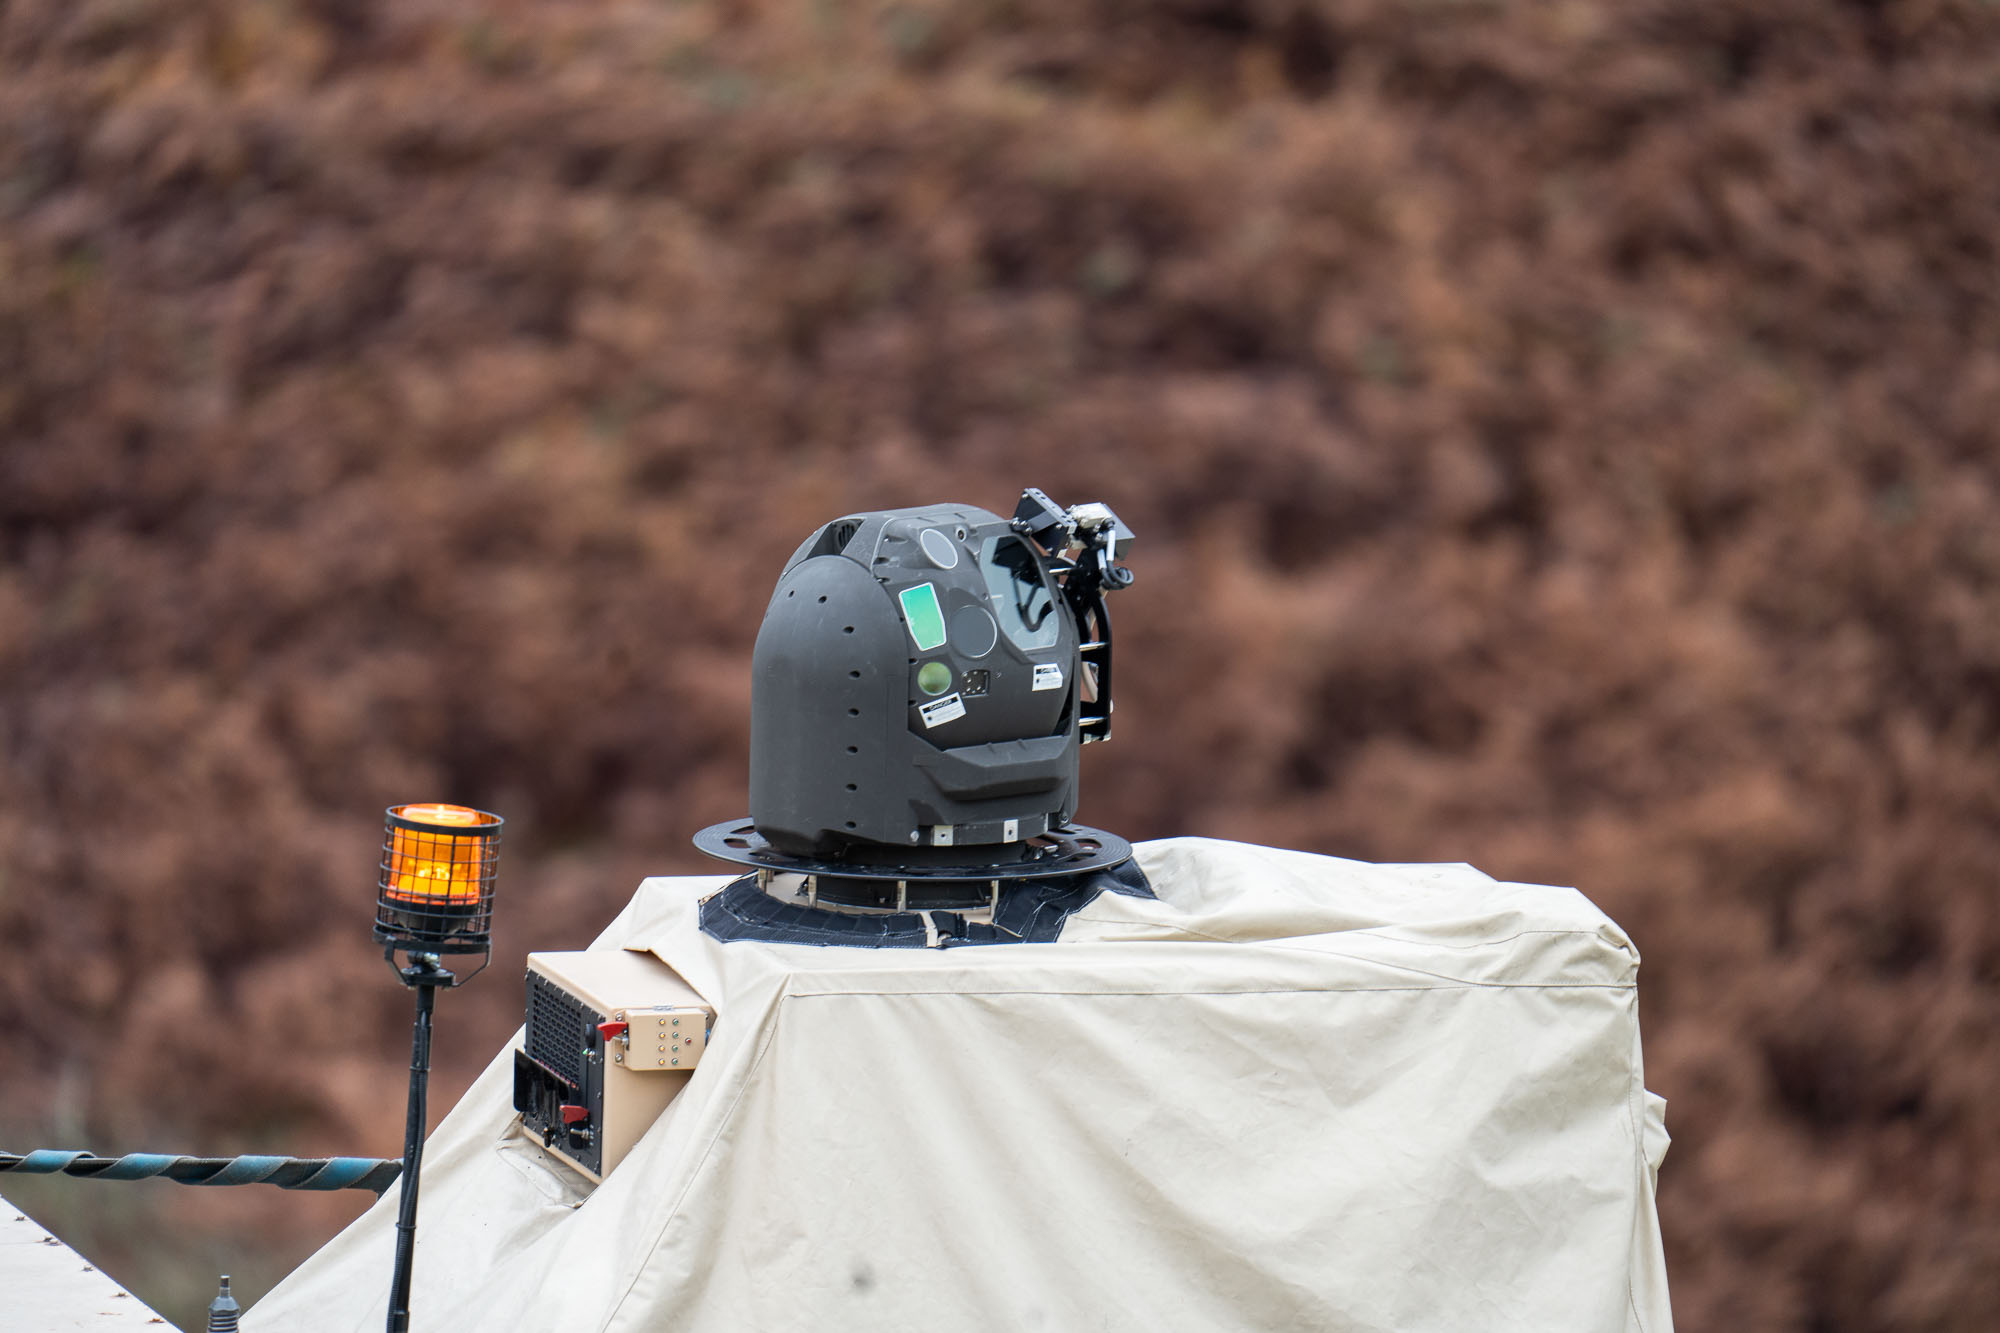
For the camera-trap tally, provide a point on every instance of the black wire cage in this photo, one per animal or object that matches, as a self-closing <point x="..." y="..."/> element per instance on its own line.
<point x="435" y="891"/>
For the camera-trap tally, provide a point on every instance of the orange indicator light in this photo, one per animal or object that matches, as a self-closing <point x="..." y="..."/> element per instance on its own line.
<point x="436" y="885"/>
<point x="443" y="859"/>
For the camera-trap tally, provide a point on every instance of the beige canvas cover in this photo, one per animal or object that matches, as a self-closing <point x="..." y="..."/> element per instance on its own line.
<point x="1293" y="1092"/>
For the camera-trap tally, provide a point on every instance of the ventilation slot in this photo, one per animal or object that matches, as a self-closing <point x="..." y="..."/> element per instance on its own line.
<point x="558" y="1029"/>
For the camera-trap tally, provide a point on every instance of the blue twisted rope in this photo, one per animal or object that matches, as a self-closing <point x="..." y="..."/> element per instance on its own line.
<point x="290" y="1173"/>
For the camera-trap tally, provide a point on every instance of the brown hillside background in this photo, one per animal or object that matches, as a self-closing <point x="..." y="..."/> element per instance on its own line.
<point x="1561" y="436"/>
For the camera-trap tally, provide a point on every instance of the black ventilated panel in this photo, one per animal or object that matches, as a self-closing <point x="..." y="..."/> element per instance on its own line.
<point x="559" y="1029"/>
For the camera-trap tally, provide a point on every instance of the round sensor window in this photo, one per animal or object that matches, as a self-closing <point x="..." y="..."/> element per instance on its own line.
<point x="973" y="631"/>
<point x="939" y="548"/>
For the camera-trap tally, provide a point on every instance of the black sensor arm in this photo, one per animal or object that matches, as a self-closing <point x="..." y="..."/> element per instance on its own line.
<point x="1085" y="543"/>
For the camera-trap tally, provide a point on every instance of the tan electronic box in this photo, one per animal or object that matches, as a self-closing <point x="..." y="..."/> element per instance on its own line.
<point x="611" y="1036"/>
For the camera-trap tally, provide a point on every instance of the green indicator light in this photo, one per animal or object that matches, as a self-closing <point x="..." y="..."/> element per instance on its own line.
<point x="933" y="678"/>
<point x="925" y="617"/>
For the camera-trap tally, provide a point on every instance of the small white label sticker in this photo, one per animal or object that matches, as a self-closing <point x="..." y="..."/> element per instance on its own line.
<point x="1048" y="676"/>
<point x="940" y="711"/>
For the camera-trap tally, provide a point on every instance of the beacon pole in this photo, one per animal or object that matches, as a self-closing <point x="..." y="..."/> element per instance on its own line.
<point x="434" y="896"/>
<point x="413" y="1135"/>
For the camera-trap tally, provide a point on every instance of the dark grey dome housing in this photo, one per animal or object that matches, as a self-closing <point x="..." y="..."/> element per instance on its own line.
<point x="920" y="680"/>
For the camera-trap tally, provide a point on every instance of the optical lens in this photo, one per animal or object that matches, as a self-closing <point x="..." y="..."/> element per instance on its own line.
<point x="933" y="678"/>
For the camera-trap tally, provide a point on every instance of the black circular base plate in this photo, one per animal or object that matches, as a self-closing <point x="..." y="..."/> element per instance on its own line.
<point x="1070" y="850"/>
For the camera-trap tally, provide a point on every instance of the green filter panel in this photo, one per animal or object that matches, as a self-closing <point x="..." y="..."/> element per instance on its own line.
<point x="924" y="616"/>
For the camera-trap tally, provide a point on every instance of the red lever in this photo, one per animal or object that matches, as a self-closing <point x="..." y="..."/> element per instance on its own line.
<point x="610" y="1030"/>
<point x="572" y="1114"/>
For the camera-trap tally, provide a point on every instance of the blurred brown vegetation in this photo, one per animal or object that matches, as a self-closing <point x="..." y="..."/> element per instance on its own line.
<point x="1561" y="437"/>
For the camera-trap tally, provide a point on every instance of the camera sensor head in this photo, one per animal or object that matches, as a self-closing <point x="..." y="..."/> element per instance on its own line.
<point x="915" y="683"/>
